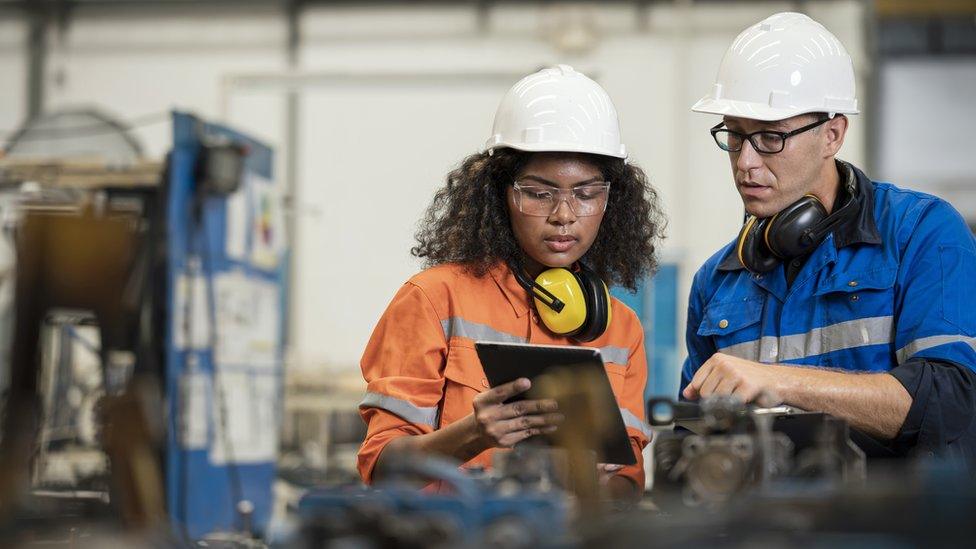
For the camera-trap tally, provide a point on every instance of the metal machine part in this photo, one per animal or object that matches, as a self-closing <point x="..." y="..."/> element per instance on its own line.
<point x="530" y="467"/>
<point x="723" y="448"/>
<point x="458" y="510"/>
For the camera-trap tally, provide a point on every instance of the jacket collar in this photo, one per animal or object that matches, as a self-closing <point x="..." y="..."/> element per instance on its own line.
<point x="859" y="228"/>
<point x="516" y="295"/>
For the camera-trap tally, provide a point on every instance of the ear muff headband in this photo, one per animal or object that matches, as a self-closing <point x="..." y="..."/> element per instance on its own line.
<point x="541" y="295"/>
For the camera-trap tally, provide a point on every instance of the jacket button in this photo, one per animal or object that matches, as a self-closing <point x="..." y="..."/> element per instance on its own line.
<point x="484" y="382"/>
<point x="854" y="297"/>
<point x="723" y="324"/>
<point x="852" y="283"/>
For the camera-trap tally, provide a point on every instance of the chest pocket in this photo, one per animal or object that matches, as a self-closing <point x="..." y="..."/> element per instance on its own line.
<point x="734" y="326"/>
<point x="464" y="379"/>
<point x="851" y="296"/>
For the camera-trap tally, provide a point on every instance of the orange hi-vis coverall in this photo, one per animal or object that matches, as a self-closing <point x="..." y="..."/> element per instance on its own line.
<point x="422" y="371"/>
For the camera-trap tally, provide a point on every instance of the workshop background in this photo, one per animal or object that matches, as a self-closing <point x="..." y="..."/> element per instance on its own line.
<point x="367" y="105"/>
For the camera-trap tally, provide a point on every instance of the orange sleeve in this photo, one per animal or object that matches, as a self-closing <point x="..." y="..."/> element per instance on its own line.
<point x="403" y="365"/>
<point x="632" y="404"/>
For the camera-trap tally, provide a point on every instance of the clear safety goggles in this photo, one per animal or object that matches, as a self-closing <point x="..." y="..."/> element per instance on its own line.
<point x="543" y="200"/>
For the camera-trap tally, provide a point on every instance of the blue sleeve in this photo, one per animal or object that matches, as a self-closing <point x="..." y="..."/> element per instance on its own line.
<point x="935" y="327"/>
<point x="700" y="348"/>
<point x="935" y="302"/>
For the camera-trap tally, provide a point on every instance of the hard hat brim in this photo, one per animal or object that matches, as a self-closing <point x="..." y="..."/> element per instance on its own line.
<point x="757" y="111"/>
<point x="559" y="147"/>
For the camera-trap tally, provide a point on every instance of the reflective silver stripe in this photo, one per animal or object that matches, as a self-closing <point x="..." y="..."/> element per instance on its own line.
<point x="923" y="343"/>
<point x="402" y="408"/>
<point x="836" y="337"/>
<point x="860" y="332"/>
<point x="617" y="355"/>
<point x="748" y="350"/>
<point x="459" y="327"/>
<point x="634" y="422"/>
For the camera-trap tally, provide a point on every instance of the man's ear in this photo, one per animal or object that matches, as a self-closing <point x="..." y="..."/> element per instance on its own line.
<point x="834" y="131"/>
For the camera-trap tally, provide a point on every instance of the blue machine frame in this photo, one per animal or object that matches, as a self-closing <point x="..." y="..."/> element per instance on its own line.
<point x="202" y="489"/>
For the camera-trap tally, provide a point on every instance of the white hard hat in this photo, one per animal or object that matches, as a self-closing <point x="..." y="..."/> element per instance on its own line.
<point x="785" y="65"/>
<point x="557" y="109"/>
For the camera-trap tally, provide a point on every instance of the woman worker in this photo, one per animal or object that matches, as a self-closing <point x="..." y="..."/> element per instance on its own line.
<point x="551" y="190"/>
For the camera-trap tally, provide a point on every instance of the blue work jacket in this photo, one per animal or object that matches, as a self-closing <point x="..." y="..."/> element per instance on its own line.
<point x="889" y="290"/>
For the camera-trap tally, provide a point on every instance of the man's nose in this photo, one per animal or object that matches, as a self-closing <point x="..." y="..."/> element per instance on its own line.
<point x="748" y="158"/>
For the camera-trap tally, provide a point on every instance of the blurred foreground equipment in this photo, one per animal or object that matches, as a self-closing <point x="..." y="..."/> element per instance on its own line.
<point x="529" y="498"/>
<point x="733" y="476"/>
<point x="466" y="511"/>
<point x="724" y="449"/>
<point x="131" y="279"/>
<point x="902" y="504"/>
<point x="87" y="260"/>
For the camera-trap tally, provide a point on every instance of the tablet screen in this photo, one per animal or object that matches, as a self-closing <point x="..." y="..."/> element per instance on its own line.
<point x="506" y="362"/>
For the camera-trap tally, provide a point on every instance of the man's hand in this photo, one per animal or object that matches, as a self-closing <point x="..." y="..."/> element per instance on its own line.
<point x="728" y="375"/>
<point x="504" y="425"/>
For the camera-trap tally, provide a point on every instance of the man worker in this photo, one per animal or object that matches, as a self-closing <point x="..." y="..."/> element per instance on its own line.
<point x="841" y="294"/>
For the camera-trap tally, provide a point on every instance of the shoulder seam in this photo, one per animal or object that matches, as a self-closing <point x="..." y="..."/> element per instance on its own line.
<point x="431" y="305"/>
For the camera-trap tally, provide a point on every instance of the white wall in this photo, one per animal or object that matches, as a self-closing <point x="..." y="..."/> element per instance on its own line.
<point x="382" y="116"/>
<point x="926" y="128"/>
<point x="135" y="62"/>
<point x="13" y="66"/>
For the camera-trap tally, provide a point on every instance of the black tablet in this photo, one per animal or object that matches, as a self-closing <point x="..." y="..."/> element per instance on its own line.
<point x="506" y="362"/>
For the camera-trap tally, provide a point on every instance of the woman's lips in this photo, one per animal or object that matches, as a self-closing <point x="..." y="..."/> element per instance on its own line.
<point x="560" y="244"/>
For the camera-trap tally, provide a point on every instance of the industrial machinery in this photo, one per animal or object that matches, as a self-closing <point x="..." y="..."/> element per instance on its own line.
<point x="516" y="510"/>
<point x="723" y="448"/>
<point x="140" y="306"/>
<point x="528" y="499"/>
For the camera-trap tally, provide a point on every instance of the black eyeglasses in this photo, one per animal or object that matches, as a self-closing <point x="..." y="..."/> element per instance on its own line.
<point x="765" y="142"/>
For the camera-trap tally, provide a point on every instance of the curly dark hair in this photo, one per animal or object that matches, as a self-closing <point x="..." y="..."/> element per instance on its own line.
<point x="468" y="221"/>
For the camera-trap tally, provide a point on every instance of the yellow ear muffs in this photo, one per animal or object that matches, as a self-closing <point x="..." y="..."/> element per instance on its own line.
<point x="583" y="309"/>
<point x="563" y="284"/>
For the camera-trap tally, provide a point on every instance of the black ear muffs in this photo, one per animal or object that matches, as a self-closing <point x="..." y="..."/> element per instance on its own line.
<point x="597" y="304"/>
<point x="793" y="232"/>
<point x="751" y="246"/>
